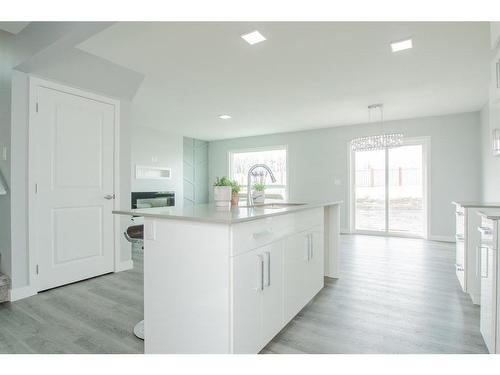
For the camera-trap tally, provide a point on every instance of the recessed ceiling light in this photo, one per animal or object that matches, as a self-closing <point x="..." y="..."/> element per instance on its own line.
<point x="224" y="117"/>
<point x="401" y="45"/>
<point x="253" y="37"/>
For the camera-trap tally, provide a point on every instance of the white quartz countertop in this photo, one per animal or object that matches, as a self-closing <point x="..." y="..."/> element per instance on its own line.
<point x="478" y="204"/>
<point x="210" y="214"/>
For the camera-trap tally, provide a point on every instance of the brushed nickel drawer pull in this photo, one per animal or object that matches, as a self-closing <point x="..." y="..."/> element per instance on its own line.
<point x="268" y="254"/>
<point x="261" y="261"/>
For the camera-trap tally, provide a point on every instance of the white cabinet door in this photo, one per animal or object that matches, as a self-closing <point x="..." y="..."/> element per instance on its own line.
<point x="296" y="259"/>
<point x="258" y="297"/>
<point x="488" y="297"/>
<point x="272" y="311"/>
<point x="316" y="262"/>
<point x="248" y="270"/>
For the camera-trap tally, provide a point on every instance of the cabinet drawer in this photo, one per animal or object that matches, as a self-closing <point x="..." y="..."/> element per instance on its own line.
<point x="253" y="234"/>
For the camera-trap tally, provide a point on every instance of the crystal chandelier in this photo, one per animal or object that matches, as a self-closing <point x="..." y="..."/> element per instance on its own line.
<point x="377" y="142"/>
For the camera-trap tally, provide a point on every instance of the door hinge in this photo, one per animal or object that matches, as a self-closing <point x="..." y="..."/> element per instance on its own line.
<point x="37" y="269"/>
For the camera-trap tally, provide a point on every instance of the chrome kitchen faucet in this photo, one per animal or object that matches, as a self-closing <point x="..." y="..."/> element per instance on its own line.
<point x="250" y="201"/>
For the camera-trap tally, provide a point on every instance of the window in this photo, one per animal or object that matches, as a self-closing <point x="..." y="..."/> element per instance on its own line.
<point x="240" y="161"/>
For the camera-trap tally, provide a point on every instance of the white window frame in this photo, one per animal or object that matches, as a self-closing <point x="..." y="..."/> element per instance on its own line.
<point x="426" y="181"/>
<point x="260" y="149"/>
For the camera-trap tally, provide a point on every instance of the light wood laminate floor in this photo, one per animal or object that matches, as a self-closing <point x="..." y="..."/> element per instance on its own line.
<point x="395" y="295"/>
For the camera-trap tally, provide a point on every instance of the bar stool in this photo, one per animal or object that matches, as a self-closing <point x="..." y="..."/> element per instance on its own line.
<point x="135" y="235"/>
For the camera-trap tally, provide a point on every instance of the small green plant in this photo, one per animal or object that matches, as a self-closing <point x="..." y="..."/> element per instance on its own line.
<point x="235" y="187"/>
<point x="223" y="181"/>
<point x="259" y="187"/>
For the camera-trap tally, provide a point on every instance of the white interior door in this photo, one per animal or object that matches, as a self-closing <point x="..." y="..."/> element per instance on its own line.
<point x="72" y="141"/>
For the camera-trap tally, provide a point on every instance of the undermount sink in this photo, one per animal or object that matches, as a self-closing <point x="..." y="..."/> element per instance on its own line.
<point x="274" y="205"/>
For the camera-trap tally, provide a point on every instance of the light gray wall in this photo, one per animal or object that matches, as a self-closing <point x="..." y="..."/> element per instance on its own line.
<point x="195" y="171"/>
<point x="166" y="149"/>
<point x="490" y="163"/>
<point x="317" y="158"/>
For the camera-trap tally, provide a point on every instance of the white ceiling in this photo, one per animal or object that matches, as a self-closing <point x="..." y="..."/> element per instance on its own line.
<point x="304" y="76"/>
<point x="13" y="27"/>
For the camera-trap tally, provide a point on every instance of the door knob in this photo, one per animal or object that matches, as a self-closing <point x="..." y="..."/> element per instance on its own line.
<point x="109" y="196"/>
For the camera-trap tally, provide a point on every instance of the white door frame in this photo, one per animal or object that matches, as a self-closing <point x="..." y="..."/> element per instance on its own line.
<point x="425" y="141"/>
<point x="34" y="83"/>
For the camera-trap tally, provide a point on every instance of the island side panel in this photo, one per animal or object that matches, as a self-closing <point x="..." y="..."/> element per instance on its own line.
<point x="186" y="287"/>
<point x="332" y="241"/>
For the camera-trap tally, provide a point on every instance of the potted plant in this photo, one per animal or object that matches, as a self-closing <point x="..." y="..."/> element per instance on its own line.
<point x="222" y="192"/>
<point x="235" y="189"/>
<point x="258" y="193"/>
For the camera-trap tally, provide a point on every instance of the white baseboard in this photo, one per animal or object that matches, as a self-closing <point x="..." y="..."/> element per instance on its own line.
<point x="442" y="238"/>
<point x="125" y="265"/>
<point x="21" y="293"/>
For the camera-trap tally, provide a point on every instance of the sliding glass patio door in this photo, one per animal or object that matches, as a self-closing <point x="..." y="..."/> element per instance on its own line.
<point x="389" y="190"/>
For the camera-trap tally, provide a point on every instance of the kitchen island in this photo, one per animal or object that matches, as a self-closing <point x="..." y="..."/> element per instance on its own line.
<point x="227" y="281"/>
